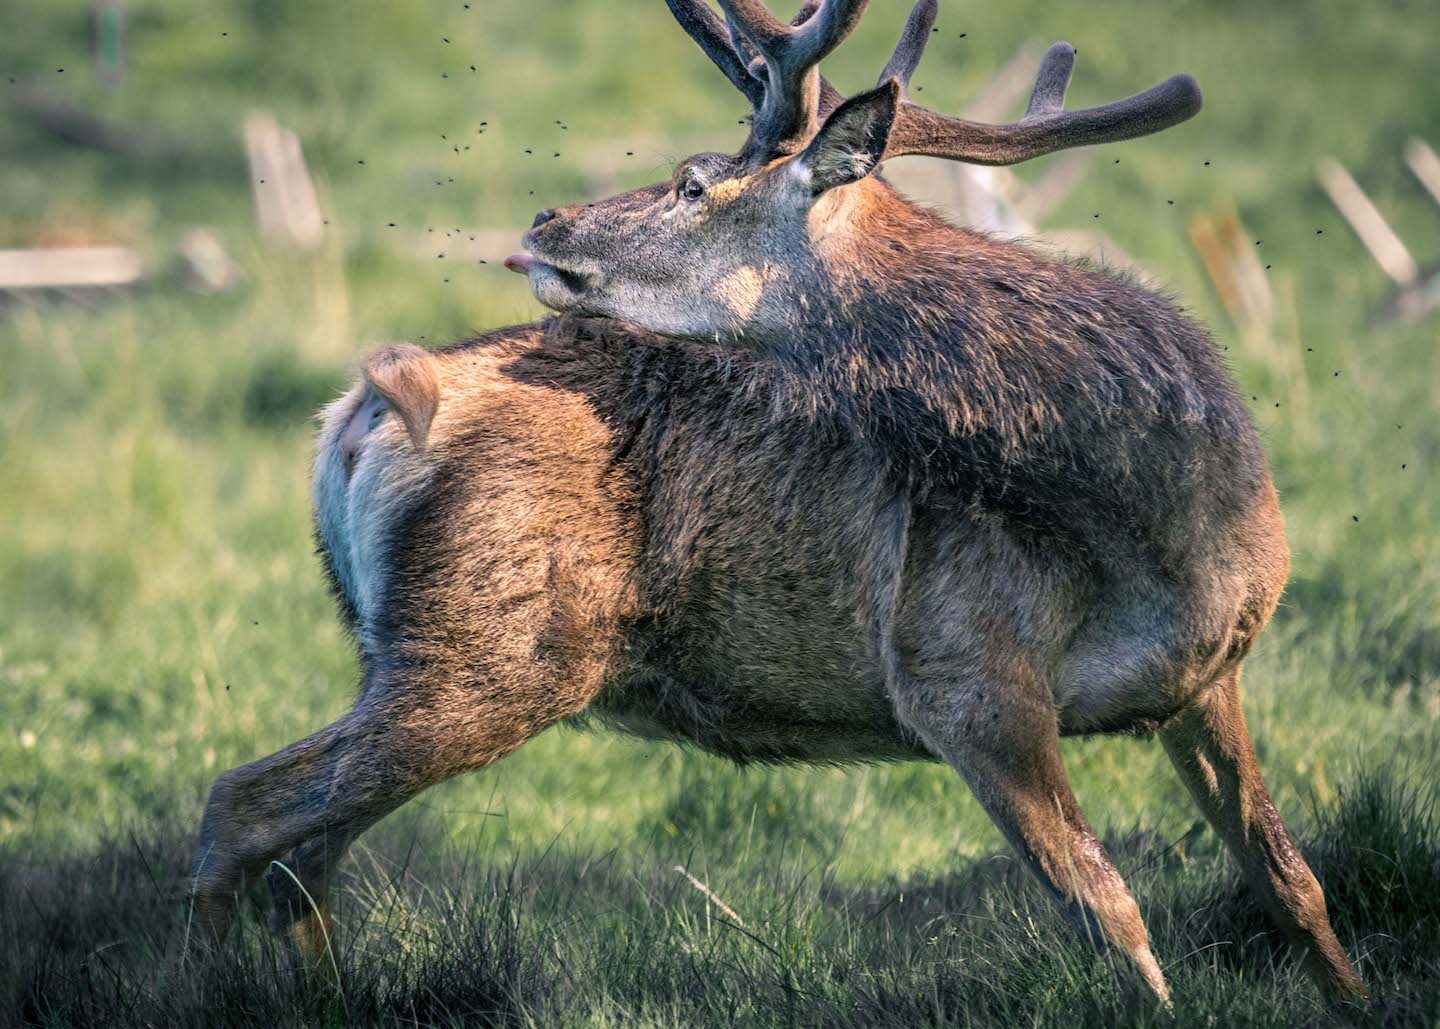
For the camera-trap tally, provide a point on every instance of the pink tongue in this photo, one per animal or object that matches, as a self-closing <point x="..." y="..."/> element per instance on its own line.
<point x="519" y="263"/>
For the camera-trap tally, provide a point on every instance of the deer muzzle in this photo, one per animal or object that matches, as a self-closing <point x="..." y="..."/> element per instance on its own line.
<point x="556" y="286"/>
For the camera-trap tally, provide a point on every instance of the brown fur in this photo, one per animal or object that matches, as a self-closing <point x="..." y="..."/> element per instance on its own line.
<point x="889" y="489"/>
<point x="730" y="550"/>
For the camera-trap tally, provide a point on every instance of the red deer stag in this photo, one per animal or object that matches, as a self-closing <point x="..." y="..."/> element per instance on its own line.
<point x="883" y="489"/>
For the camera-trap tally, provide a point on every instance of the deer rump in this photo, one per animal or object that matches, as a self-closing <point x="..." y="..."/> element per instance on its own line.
<point x="706" y="547"/>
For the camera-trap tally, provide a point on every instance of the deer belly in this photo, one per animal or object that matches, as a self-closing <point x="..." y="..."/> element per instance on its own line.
<point x="1136" y="664"/>
<point x="756" y="680"/>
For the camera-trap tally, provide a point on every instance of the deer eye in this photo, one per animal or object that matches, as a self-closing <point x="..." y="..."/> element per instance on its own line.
<point x="691" y="188"/>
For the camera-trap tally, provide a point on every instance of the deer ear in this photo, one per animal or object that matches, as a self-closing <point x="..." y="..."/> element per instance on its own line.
<point x="852" y="141"/>
<point x="404" y="375"/>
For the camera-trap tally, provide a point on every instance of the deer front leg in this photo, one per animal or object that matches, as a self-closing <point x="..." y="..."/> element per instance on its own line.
<point x="316" y="796"/>
<point x="1003" y="739"/>
<point x="1210" y="747"/>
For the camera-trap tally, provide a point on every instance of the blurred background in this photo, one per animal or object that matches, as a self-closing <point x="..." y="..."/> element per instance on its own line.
<point x="209" y="210"/>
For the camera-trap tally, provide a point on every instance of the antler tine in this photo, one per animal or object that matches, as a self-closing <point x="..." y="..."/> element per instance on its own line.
<point x="785" y="119"/>
<point x="747" y="52"/>
<point x="754" y="65"/>
<point x="1052" y="81"/>
<point x="911" y="46"/>
<point x="830" y="97"/>
<point x="1046" y="126"/>
<point x="815" y="31"/>
<point x="709" y="32"/>
<point x="808" y="8"/>
<point x="725" y="44"/>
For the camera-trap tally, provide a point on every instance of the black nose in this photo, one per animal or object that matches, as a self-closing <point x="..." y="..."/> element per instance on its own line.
<point x="543" y="217"/>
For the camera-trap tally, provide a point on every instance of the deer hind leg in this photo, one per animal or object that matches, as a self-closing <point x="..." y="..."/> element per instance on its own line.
<point x="261" y="810"/>
<point x="1007" y="747"/>
<point x="300" y="891"/>
<point x="315" y="796"/>
<point x="1210" y="747"/>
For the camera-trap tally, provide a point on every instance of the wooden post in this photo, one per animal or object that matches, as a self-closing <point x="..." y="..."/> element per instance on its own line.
<point x="1424" y="165"/>
<point x="1061" y="175"/>
<point x="1008" y="86"/>
<point x="1350" y="200"/>
<point x="285" y="202"/>
<point x="69" y="268"/>
<point x="1236" y="273"/>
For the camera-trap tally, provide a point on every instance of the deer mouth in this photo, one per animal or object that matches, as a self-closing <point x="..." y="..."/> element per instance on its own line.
<point x="554" y="285"/>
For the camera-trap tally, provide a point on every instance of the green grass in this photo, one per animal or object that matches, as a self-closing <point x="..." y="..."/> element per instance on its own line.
<point x="162" y="616"/>
<point x="435" y="935"/>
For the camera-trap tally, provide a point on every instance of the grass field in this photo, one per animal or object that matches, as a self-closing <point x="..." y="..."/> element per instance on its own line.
<point x="162" y="616"/>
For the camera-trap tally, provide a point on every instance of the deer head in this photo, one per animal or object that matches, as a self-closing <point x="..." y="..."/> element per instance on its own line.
<point x="764" y="241"/>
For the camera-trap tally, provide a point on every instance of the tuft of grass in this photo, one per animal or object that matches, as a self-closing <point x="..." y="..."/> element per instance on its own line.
<point x="437" y="935"/>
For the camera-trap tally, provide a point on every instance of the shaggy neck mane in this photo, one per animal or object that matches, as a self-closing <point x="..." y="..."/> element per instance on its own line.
<point x="972" y="364"/>
<point x="949" y="327"/>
